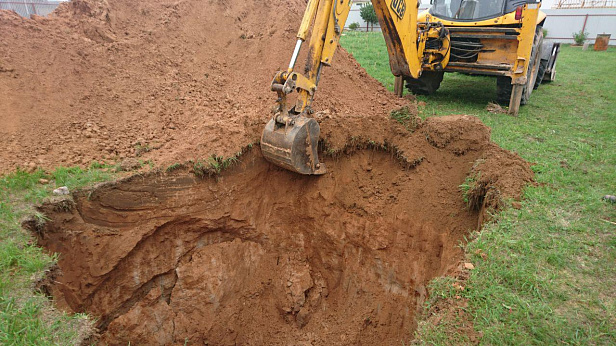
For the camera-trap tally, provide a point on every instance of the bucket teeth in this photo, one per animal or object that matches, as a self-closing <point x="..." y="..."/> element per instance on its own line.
<point x="293" y="147"/>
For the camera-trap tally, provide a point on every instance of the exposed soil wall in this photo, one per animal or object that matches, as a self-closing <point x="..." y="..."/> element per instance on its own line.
<point x="259" y="255"/>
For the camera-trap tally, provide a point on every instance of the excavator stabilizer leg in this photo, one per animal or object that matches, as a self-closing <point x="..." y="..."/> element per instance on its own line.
<point x="293" y="146"/>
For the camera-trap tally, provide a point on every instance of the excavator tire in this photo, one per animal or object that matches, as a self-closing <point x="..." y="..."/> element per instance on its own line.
<point x="503" y="84"/>
<point x="543" y="65"/>
<point x="426" y="84"/>
<point x="503" y="90"/>
<point x="549" y="55"/>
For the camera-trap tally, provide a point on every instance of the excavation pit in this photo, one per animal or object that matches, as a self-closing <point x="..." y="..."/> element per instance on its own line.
<point x="261" y="256"/>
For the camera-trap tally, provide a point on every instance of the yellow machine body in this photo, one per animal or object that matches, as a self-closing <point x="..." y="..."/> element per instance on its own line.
<point x="507" y="47"/>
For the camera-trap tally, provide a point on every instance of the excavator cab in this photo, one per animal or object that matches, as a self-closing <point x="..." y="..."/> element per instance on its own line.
<point x="468" y="9"/>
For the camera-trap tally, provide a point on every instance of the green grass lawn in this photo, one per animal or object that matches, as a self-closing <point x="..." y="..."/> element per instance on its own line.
<point x="549" y="276"/>
<point x="27" y="318"/>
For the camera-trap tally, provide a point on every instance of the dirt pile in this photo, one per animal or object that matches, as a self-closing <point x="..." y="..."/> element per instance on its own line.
<point x="259" y="255"/>
<point x="163" y="80"/>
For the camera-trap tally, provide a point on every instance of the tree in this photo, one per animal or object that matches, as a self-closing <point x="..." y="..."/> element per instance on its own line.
<point x="368" y="15"/>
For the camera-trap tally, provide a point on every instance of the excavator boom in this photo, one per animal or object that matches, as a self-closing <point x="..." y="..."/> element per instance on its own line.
<point x="290" y="139"/>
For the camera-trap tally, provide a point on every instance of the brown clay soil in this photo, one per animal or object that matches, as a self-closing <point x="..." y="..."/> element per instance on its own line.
<point x="255" y="255"/>
<point x="258" y="255"/>
<point x="163" y="80"/>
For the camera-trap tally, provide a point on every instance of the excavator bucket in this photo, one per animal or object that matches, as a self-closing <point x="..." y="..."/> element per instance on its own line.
<point x="293" y="147"/>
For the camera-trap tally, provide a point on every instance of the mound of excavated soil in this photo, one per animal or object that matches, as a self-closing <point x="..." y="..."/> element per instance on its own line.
<point x="262" y="256"/>
<point x="166" y="80"/>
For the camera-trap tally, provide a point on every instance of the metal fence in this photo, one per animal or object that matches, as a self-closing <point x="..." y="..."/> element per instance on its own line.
<point x="30" y="7"/>
<point x="585" y="4"/>
<point x="561" y="24"/>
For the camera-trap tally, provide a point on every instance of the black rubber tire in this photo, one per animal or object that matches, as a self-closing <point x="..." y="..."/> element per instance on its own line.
<point x="426" y="84"/>
<point x="503" y="90"/>
<point x="503" y="84"/>
<point x="543" y="65"/>
<point x="533" y="70"/>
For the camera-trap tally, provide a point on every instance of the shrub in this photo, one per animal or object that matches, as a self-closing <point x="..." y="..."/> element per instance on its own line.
<point x="580" y="37"/>
<point x="354" y="26"/>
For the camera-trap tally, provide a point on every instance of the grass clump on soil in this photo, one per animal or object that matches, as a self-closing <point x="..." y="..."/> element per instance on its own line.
<point x="467" y="187"/>
<point x="544" y="270"/>
<point x="405" y="117"/>
<point x="175" y="167"/>
<point x="214" y="165"/>
<point x="27" y="318"/>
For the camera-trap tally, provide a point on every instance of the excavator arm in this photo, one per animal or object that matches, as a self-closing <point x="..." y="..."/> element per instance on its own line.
<point x="290" y="139"/>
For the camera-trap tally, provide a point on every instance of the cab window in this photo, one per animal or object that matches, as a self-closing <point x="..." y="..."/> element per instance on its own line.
<point x="467" y="9"/>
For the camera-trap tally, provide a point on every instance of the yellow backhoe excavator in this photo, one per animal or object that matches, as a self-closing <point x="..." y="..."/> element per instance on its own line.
<point x="474" y="39"/>
<point x="502" y="38"/>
